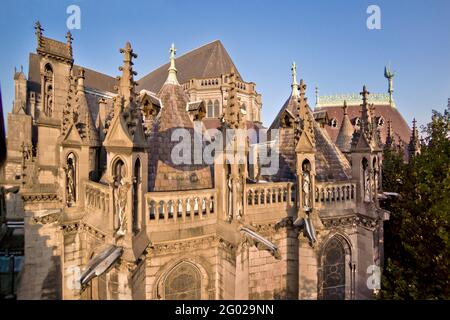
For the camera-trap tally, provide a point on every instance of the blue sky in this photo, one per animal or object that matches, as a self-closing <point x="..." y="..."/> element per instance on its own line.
<point x="328" y="39"/>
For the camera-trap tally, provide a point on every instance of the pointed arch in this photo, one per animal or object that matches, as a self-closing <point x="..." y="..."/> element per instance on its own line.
<point x="335" y="272"/>
<point x="170" y="283"/>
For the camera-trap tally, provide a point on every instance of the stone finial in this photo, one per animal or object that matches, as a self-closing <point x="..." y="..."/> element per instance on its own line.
<point x="294" y="80"/>
<point x="69" y="41"/>
<point x="344" y="107"/>
<point x="172" y="77"/>
<point x="126" y="81"/>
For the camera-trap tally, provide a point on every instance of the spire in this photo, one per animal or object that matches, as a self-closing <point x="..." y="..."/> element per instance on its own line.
<point x="304" y="118"/>
<point x="389" y="135"/>
<point x="388" y="74"/>
<point x="317" y="96"/>
<point x="69" y="41"/>
<point x="414" y="144"/>
<point x="366" y="119"/>
<point x="233" y="115"/>
<point x="172" y="77"/>
<point x="126" y="81"/>
<point x="294" y="80"/>
<point x="344" y="138"/>
<point x="39" y="30"/>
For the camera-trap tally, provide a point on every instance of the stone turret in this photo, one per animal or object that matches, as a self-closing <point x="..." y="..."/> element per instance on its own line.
<point x="20" y="96"/>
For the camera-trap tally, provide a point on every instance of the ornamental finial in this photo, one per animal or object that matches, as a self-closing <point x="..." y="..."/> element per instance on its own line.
<point x="172" y="77"/>
<point x="294" y="80"/>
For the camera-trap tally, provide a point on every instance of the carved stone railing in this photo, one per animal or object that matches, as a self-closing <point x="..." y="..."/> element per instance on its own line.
<point x="97" y="196"/>
<point x="270" y="194"/>
<point x="333" y="194"/>
<point x="185" y="206"/>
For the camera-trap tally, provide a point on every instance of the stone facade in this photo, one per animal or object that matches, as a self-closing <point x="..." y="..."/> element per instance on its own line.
<point x="109" y="215"/>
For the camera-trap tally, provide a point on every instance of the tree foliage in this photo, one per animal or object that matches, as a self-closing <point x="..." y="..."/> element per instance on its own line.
<point x="417" y="245"/>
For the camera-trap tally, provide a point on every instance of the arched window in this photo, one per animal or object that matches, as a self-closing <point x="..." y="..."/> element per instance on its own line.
<point x="136" y="194"/>
<point x="332" y="278"/>
<point x="119" y="170"/>
<point x="216" y="109"/>
<point x="183" y="283"/>
<point x="71" y="179"/>
<point x="210" y="109"/>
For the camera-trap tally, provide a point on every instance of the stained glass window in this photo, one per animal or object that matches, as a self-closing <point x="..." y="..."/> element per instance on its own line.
<point x="183" y="283"/>
<point x="333" y="271"/>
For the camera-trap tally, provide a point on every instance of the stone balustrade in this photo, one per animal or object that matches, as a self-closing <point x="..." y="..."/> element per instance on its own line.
<point x="270" y="194"/>
<point x="216" y="82"/>
<point x="334" y="193"/>
<point x="97" y="196"/>
<point x="183" y="206"/>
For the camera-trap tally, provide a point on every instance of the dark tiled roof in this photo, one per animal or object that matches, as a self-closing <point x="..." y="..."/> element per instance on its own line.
<point x="208" y="61"/>
<point x="399" y="125"/>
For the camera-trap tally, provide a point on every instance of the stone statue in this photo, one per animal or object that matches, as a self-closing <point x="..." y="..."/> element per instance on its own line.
<point x="121" y="191"/>
<point x="306" y="187"/>
<point x="230" y="199"/>
<point x="239" y="191"/>
<point x="70" y="177"/>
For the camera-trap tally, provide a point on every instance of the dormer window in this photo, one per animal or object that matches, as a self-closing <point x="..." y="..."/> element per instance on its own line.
<point x="380" y="121"/>
<point x="333" y="123"/>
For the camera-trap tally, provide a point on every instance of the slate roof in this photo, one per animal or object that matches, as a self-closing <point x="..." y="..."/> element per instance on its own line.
<point x="164" y="173"/>
<point x="208" y="61"/>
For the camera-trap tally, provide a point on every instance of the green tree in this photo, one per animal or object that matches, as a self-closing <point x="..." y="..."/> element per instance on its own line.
<point x="417" y="246"/>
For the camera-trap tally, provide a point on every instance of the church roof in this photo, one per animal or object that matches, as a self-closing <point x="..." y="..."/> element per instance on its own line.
<point x="208" y="61"/>
<point x="385" y="111"/>
<point x="331" y="164"/>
